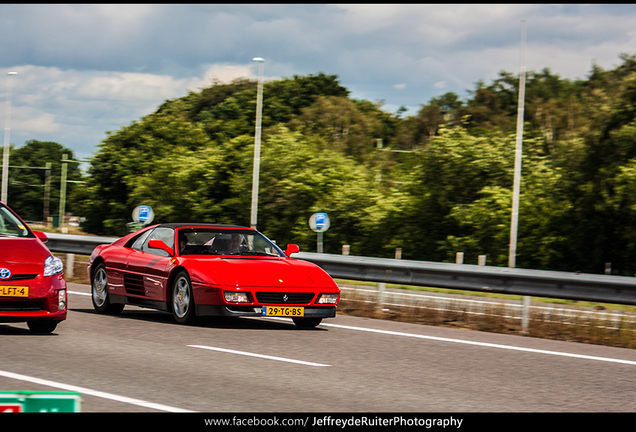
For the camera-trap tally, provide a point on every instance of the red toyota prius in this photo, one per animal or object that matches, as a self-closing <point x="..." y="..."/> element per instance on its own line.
<point x="203" y="269"/>
<point x="32" y="285"/>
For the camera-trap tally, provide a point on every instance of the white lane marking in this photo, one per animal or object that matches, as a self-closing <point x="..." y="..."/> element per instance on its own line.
<point x="485" y="344"/>
<point x="259" y="356"/>
<point x="95" y="393"/>
<point x="79" y="293"/>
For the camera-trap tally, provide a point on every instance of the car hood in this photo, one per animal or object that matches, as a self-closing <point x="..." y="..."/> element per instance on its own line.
<point x="256" y="272"/>
<point x="23" y="255"/>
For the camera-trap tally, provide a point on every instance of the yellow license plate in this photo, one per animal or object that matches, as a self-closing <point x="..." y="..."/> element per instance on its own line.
<point x="284" y="311"/>
<point x="14" y="291"/>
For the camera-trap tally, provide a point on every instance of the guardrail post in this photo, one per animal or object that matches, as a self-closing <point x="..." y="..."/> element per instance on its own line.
<point x="525" y="314"/>
<point x="345" y="249"/>
<point x="482" y="260"/>
<point x="398" y="253"/>
<point x="70" y="264"/>
<point x="459" y="258"/>
<point x="381" y="293"/>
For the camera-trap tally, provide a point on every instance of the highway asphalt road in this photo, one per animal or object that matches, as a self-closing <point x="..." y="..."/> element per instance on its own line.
<point x="142" y="361"/>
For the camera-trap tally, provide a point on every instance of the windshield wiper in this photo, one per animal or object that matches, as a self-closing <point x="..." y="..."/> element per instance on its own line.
<point x="254" y="253"/>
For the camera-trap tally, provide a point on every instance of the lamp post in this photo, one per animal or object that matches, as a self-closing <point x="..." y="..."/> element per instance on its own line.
<point x="518" y="155"/>
<point x="5" y="153"/>
<point x="514" y="222"/>
<point x="257" y="142"/>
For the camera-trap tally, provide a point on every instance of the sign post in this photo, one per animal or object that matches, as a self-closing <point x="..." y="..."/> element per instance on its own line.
<point x="319" y="223"/>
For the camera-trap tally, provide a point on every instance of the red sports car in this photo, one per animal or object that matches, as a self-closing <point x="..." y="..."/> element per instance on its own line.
<point x="216" y="270"/>
<point x="32" y="285"/>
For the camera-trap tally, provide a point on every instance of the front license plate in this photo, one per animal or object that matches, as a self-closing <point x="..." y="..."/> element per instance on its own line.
<point x="14" y="291"/>
<point x="284" y="311"/>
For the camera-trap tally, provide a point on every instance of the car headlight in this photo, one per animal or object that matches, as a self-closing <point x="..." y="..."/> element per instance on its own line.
<point x="53" y="266"/>
<point x="236" y="297"/>
<point x="328" y="299"/>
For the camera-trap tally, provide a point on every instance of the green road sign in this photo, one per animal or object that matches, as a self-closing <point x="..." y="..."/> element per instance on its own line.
<point x="31" y="401"/>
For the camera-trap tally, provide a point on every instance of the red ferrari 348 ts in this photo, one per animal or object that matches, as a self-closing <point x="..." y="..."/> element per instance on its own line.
<point x="215" y="270"/>
<point x="32" y="285"/>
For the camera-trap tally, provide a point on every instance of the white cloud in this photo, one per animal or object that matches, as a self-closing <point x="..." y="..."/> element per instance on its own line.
<point x="117" y="86"/>
<point x="33" y="121"/>
<point x="224" y="73"/>
<point x="76" y="108"/>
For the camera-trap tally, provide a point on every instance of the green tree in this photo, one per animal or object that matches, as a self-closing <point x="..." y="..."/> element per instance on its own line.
<point x="229" y="110"/>
<point x="451" y="170"/>
<point x="543" y="208"/>
<point x="299" y="177"/>
<point x="27" y="178"/>
<point x="134" y="152"/>
<point x="603" y="214"/>
<point x="344" y="126"/>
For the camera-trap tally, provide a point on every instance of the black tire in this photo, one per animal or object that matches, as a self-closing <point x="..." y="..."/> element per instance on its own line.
<point x="306" y="323"/>
<point x="42" y="327"/>
<point x="99" y="293"/>
<point x="183" y="307"/>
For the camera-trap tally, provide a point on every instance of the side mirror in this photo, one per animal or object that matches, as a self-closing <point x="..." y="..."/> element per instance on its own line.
<point x="41" y="236"/>
<point x="159" y="244"/>
<point x="292" y="248"/>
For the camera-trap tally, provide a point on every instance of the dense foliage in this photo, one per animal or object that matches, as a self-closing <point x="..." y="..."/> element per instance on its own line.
<point x="34" y="190"/>
<point x="433" y="184"/>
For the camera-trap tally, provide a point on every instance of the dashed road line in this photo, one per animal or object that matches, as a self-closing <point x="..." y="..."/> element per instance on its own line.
<point x="262" y="356"/>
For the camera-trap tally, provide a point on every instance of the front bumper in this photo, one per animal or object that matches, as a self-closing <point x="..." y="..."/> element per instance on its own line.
<point x="257" y="311"/>
<point x="42" y="304"/>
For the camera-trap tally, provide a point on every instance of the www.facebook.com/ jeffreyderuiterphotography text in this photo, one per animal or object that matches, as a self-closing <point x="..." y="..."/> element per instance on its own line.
<point x="339" y="422"/>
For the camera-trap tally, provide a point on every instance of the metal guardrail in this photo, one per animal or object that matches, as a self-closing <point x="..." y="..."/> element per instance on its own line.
<point x="503" y="280"/>
<point x="72" y="243"/>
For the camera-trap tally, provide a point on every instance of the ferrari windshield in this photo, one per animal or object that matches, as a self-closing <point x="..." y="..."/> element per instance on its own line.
<point x="219" y="241"/>
<point x="11" y="225"/>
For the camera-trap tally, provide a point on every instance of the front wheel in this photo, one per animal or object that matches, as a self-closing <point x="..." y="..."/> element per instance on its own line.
<point x="306" y="323"/>
<point x="99" y="293"/>
<point x="183" y="308"/>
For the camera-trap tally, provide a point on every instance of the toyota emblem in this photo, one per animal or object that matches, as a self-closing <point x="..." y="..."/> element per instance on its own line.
<point x="5" y="273"/>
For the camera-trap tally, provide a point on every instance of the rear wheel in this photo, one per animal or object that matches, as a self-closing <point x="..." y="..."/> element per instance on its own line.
<point x="306" y="323"/>
<point x="42" y="327"/>
<point x="183" y="307"/>
<point x="99" y="293"/>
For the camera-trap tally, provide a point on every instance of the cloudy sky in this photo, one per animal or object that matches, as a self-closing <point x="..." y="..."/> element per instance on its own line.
<point x="84" y="70"/>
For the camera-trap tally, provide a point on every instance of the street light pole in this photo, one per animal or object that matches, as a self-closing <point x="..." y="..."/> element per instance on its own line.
<point x="5" y="153"/>
<point x="257" y="142"/>
<point x="518" y="155"/>
<point x="514" y="222"/>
